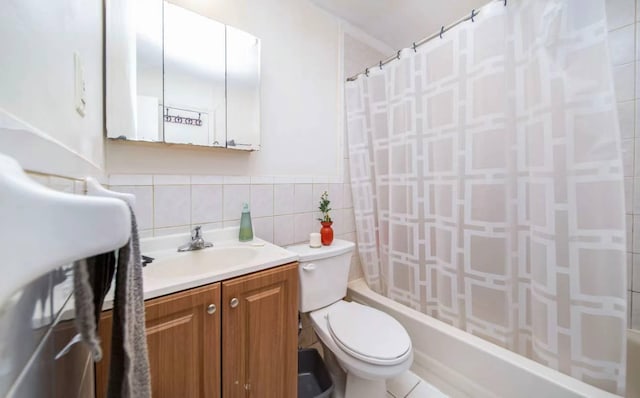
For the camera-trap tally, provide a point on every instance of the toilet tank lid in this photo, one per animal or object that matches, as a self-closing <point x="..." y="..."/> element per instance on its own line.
<point x="307" y="253"/>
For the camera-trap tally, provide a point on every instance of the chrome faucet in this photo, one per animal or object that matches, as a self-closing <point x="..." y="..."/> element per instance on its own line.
<point x="197" y="242"/>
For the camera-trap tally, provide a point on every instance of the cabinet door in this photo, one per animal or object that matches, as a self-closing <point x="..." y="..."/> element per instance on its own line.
<point x="183" y="338"/>
<point x="72" y="374"/>
<point x="259" y="335"/>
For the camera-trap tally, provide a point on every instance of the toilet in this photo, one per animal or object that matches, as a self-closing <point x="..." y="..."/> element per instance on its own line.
<point x="363" y="347"/>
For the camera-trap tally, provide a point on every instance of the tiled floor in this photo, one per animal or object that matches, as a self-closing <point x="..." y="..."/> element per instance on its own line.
<point x="408" y="385"/>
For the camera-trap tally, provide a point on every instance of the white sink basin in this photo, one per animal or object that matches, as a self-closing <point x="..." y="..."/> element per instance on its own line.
<point x="198" y="262"/>
<point x="172" y="271"/>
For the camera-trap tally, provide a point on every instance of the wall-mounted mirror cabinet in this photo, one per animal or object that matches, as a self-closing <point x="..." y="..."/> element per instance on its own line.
<point x="177" y="77"/>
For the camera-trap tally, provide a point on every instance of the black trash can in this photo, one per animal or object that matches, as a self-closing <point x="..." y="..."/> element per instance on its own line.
<point x="313" y="377"/>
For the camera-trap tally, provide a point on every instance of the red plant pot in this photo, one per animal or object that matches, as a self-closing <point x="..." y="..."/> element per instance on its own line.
<point x="326" y="233"/>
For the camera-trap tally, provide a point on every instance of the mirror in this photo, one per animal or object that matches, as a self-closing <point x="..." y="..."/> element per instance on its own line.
<point x="243" y="89"/>
<point x="177" y="77"/>
<point x="194" y="78"/>
<point x="134" y="93"/>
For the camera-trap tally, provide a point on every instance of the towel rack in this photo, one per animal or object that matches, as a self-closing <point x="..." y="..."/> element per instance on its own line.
<point x="42" y="229"/>
<point x="94" y="188"/>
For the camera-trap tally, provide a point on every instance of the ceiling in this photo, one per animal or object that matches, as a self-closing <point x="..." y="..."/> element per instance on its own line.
<point x="398" y="23"/>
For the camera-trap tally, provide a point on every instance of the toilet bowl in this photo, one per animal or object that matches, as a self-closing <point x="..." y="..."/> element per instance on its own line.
<point x="363" y="347"/>
<point x="362" y="360"/>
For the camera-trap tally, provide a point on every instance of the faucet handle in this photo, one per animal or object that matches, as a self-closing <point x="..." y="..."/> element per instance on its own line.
<point x="196" y="233"/>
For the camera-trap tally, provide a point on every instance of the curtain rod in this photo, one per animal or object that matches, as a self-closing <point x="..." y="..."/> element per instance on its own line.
<point x="420" y="42"/>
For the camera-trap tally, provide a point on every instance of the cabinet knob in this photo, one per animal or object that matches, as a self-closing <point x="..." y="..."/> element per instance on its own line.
<point x="234" y="302"/>
<point x="211" y="309"/>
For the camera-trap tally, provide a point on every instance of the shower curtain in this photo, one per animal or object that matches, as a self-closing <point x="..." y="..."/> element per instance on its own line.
<point x="488" y="187"/>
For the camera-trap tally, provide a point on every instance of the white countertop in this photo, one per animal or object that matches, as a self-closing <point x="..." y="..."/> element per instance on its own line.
<point x="170" y="272"/>
<point x="166" y="275"/>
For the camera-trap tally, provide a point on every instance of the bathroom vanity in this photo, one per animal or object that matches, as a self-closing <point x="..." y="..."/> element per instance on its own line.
<point x="233" y="333"/>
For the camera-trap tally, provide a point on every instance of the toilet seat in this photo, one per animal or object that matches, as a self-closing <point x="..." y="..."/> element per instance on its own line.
<point x="368" y="334"/>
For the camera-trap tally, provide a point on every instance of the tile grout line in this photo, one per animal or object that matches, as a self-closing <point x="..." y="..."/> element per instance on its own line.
<point x="633" y="163"/>
<point x="154" y="229"/>
<point x="414" y="387"/>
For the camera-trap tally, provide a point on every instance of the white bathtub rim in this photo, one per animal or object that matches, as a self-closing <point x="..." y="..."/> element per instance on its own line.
<point x="358" y="289"/>
<point x="447" y="380"/>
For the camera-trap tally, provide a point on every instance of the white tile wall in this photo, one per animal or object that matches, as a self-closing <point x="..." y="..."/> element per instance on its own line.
<point x="207" y="180"/>
<point x="130" y="179"/>
<point x="144" y="203"/>
<point x="262" y="200"/>
<point x="283" y="229"/>
<point x="171" y="180"/>
<point x="303" y="198"/>
<point x="624" y="43"/>
<point x="283" y="198"/>
<point x="336" y="193"/>
<point x="171" y="231"/>
<point x="234" y="196"/>
<point x="263" y="228"/>
<point x="206" y="204"/>
<point x="284" y="210"/>
<point x="171" y="205"/>
<point x="303" y="225"/>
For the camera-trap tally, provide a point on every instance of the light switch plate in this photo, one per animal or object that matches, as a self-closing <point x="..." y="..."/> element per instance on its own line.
<point x="79" y="85"/>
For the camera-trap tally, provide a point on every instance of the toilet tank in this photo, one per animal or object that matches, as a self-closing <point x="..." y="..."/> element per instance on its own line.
<point x="323" y="273"/>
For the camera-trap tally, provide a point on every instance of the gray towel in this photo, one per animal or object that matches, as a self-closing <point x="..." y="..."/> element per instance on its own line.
<point x="129" y="367"/>
<point x="92" y="280"/>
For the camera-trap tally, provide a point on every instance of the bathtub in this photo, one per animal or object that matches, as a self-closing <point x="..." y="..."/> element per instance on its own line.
<point x="463" y="365"/>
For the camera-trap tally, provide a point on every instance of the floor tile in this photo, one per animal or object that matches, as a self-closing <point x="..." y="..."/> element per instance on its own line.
<point x="425" y="390"/>
<point x="403" y="384"/>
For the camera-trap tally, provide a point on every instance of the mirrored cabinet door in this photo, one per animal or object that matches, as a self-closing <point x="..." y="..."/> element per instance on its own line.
<point x="134" y="68"/>
<point x="194" y="78"/>
<point x="178" y="77"/>
<point x="243" y="90"/>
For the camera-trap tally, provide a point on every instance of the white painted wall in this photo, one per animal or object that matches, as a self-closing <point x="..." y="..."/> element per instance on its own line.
<point x="360" y="54"/>
<point x="400" y="23"/>
<point x="37" y="42"/>
<point x="301" y="98"/>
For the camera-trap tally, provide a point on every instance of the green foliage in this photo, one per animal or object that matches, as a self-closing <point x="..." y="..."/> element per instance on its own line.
<point x="324" y="207"/>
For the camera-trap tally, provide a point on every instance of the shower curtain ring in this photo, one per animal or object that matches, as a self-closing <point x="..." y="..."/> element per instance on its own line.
<point x="366" y="72"/>
<point x="505" y="3"/>
<point x="414" y="47"/>
<point x="398" y="55"/>
<point x="380" y="65"/>
<point x="473" y="14"/>
<point x="441" y="31"/>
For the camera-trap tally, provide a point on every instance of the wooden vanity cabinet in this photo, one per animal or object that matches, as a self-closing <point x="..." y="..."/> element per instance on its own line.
<point x="246" y="347"/>
<point x="260" y="334"/>
<point x="183" y="339"/>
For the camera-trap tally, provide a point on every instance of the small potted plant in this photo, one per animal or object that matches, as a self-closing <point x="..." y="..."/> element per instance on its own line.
<point x="326" y="232"/>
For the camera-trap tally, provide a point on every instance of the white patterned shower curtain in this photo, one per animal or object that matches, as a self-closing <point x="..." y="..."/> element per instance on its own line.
<point x="488" y="185"/>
